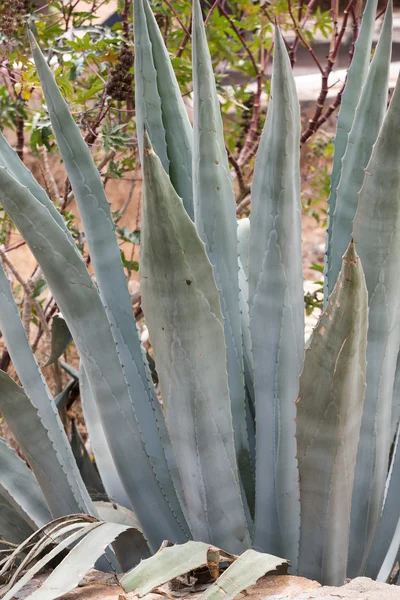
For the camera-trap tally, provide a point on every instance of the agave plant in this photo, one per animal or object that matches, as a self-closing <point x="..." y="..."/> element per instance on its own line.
<point x="258" y="442"/>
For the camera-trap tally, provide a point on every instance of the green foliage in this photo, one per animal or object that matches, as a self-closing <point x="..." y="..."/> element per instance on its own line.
<point x="224" y="309"/>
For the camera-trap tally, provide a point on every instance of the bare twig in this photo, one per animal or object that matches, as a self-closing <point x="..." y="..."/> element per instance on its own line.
<point x="293" y="48"/>
<point x="185" y="39"/>
<point x="210" y="12"/>
<point x="241" y="39"/>
<point x="20" y="137"/>
<point x="243" y="204"/>
<point x="251" y="142"/>
<point x="127" y="202"/>
<point x="50" y="181"/>
<point x="313" y="122"/>
<point x="28" y="289"/>
<point x="303" y="40"/>
<point x="244" y="189"/>
<point x="168" y="3"/>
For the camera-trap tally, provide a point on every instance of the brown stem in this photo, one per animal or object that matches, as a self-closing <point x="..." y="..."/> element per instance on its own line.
<point x="313" y="122"/>
<point x="241" y="39"/>
<point x="293" y="49"/>
<point x="185" y="39"/>
<point x="253" y="128"/>
<point x="210" y="12"/>
<point x="250" y="145"/>
<point x="49" y="177"/>
<point x="168" y="3"/>
<point x="20" y="137"/>
<point x="302" y="38"/>
<point x="243" y="187"/>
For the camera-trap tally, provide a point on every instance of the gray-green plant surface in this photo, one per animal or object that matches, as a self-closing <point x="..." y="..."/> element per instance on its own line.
<point x="258" y="441"/>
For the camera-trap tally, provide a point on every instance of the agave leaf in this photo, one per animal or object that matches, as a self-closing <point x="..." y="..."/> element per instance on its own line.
<point x="377" y="239"/>
<point x="243" y="233"/>
<point x="70" y="492"/>
<point x="185" y="323"/>
<point x="86" y="468"/>
<point x="13" y="528"/>
<point x="380" y="559"/>
<point x="396" y="400"/>
<point x="215" y="217"/>
<point x="70" y="370"/>
<point x="62" y="398"/>
<point x="366" y="125"/>
<point x="329" y="412"/>
<point x="19" y="487"/>
<point x="38" y="447"/>
<point x="153" y="70"/>
<point x="10" y="160"/>
<point x="356" y="76"/>
<point x="172" y="562"/>
<point x="79" y="561"/>
<point x="243" y="247"/>
<point x="244" y="572"/>
<point x="277" y="313"/>
<point x="147" y="96"/>
<point x="106" y="257"/>
<point x="104" y="461"/>
<point x="80" y="304"/>
<point x="391" y="557"/>
<point x="131" y="546"/>
<point x="60" y="339"/>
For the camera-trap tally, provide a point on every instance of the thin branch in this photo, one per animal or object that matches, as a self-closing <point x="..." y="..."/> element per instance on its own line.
<point x="127" y="202"/>
<point x="168" y="3"/>
<point x="243" y="187"/>
<point x="241" y="38"/>
<point x="302" y="38"/>
<point x="250" y="144"/>
<point x="210" y="12"/>
<point x="242" y="205"/>
<point x="293" y="49"/>
<point x="313" y="122"/>
<point x="53" y="187"/>
<point x="185" y="39"/>
<point x="28" y="289"/>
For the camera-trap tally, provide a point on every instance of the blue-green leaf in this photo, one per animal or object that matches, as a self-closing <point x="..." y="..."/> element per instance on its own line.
<point x="185" y="323"/>
<point x="106" y="258"/>
<point x="380" y="561"/>
<point x="178" y="131"/>
<point x="277" y="313"/>
<point x="19" y="487"/>
<point x="356" y="76"/>
<point x="377" y="238"/>
<point x="37" y="445"/>
<point x="80" y="304"/>
<point x="367" y="123"/>
<point x="65" y="476"/>
<point x="329" y="412"/>
<point x="215" y="218"/>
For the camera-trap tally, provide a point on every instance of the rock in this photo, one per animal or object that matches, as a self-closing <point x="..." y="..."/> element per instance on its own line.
<point x="360" y="588"/>
<point x="97" y="586"/>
